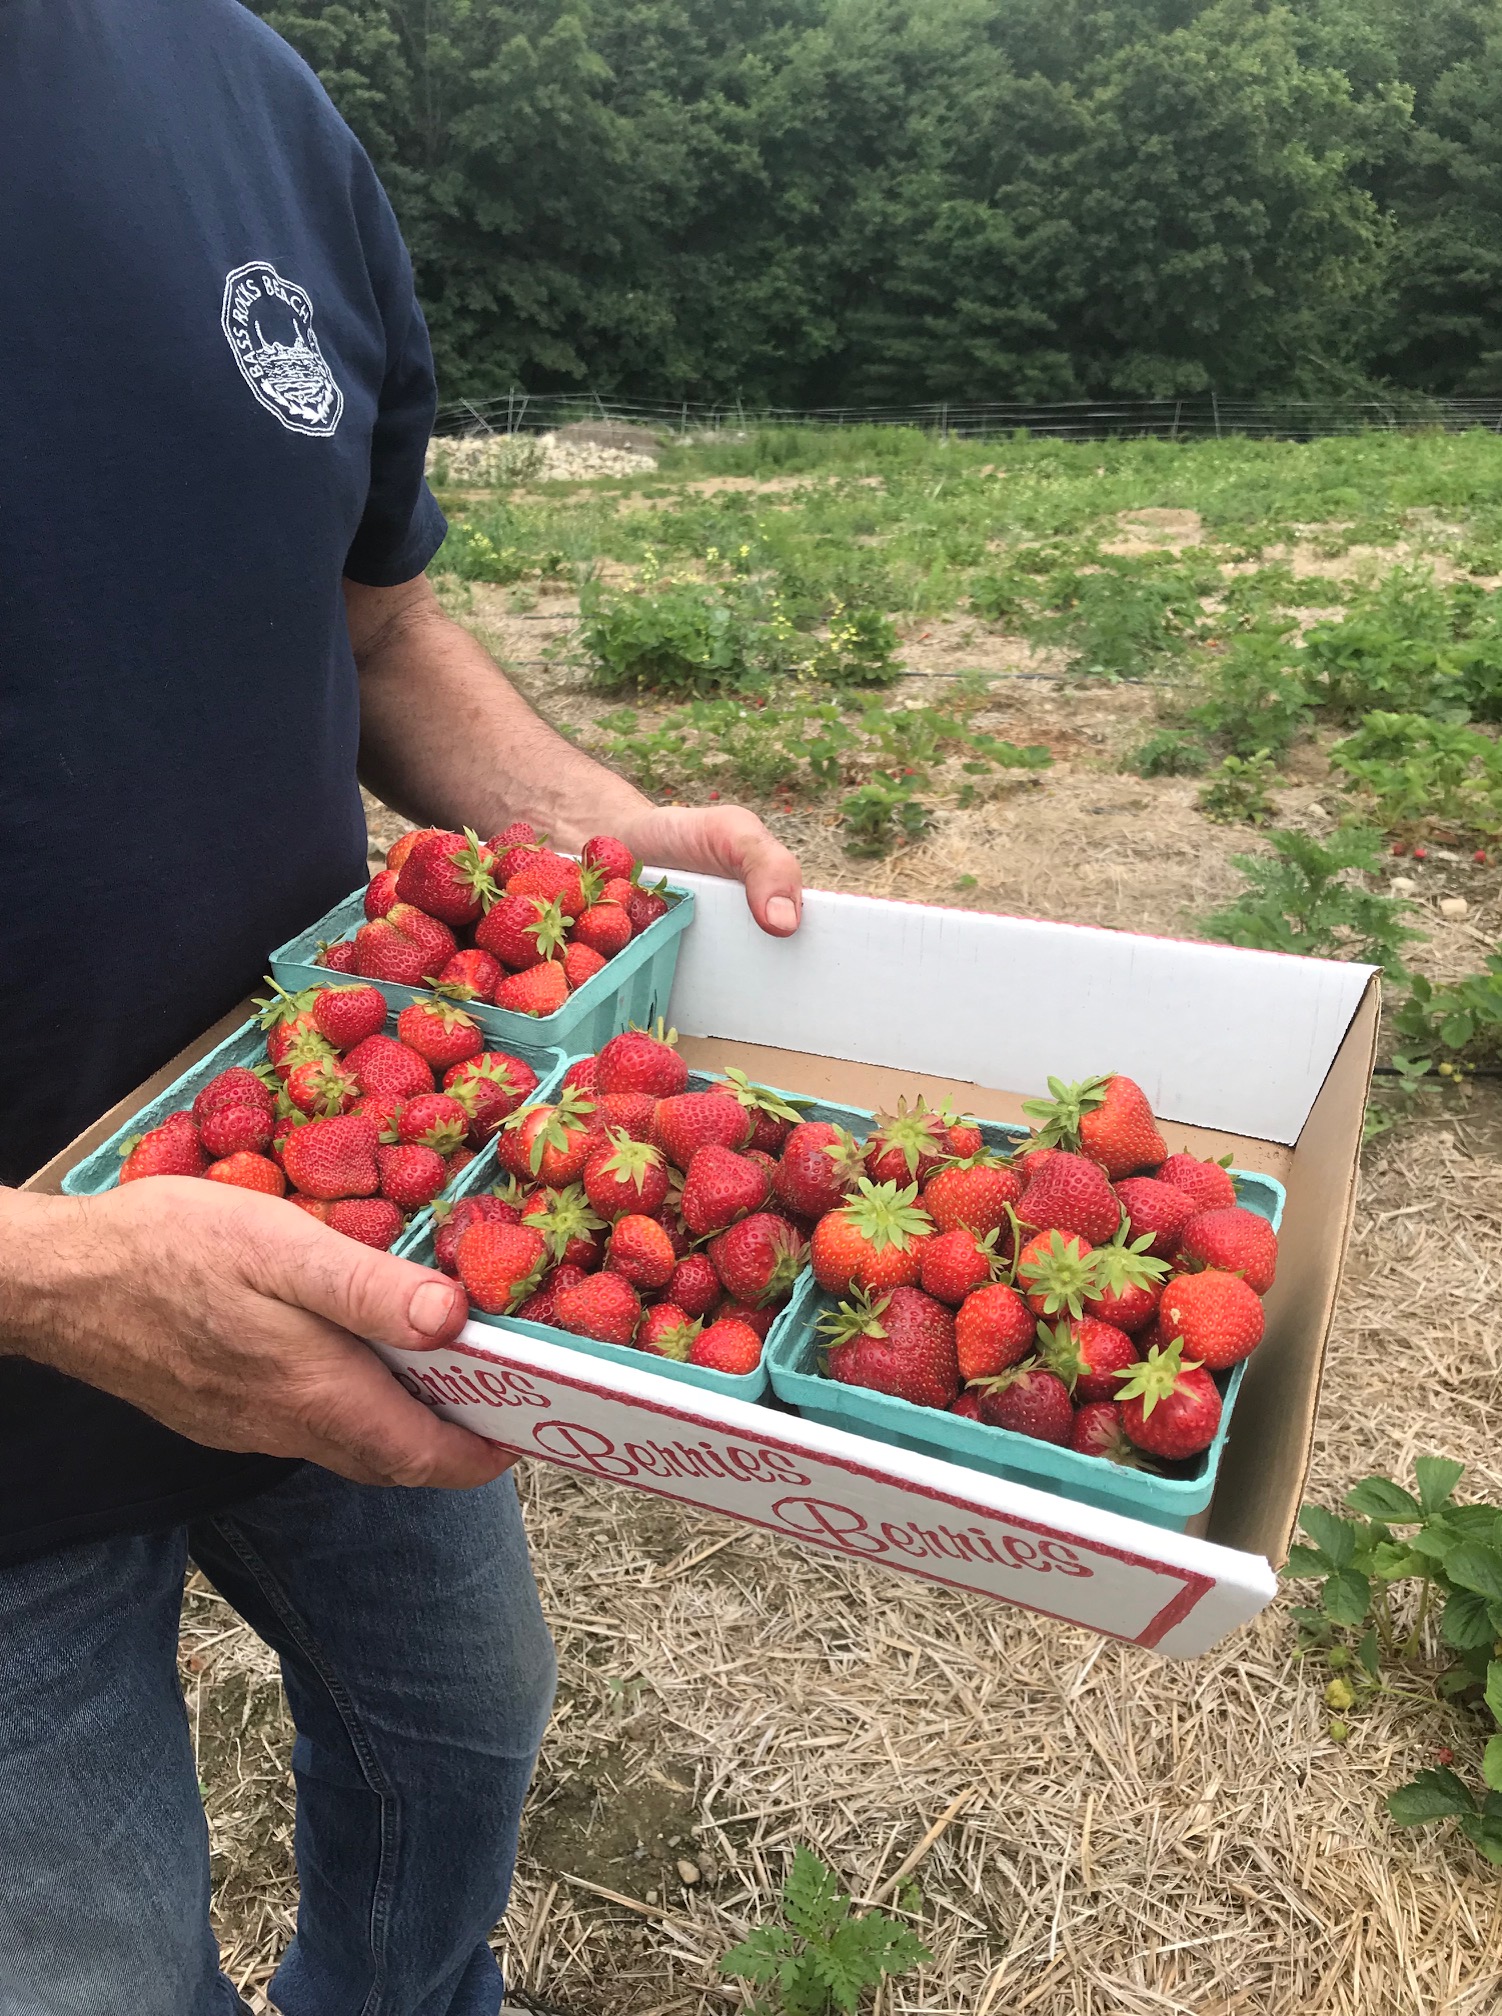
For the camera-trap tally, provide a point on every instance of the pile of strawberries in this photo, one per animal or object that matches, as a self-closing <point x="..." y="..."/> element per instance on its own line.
<point x="508" y="921"/>
<point x="1083" y="1291"/>
<point x="343" y="1119"/>
<point x="639" y="1212"/>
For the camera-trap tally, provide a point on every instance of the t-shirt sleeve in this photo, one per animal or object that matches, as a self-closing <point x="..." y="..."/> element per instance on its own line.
<point x="402" y="527"/>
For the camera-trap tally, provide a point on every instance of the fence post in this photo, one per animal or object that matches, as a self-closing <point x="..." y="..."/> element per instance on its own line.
<point x="510" y="406"/>
<point x="1215" y="409"/>
<point x="944" y="421"/>
<point x="1178" y="407"/>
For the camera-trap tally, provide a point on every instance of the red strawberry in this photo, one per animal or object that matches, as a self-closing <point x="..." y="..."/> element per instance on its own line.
<point x="874" y="1241"/>
<point x="471" y="976"/>
<point x="1056" y="1272"/>
<point x="603" y="928"/>
<point x="1097" y="1431"/>
<point x="580" y="964"/>
<point x="645" y="906"/>
<point x="638" y="1061"/>
<point x="333" y="1158"/>
<point x="298" y="1043"/>
<point x="541" y="1306"/>
<point x="316" y="1208"/>
<point x="1087" y="1355"/>
<point x="1216" y="1316"/>
<point x="347" y="1015"/>
<point x="1067" y="1193"/>
<point x="384" y="1064"/>
<point x="720" y="1187"/>
<point x="402" y="845"/>
<point x="231" y="1130"/>
<point x="821" y="1164"/>
<point x="581" y="1074"/>
<point x="667" y="1331"/>
<point x="993" y="1329"/>
<point x="1107" y="1119"/>
<point x="570" y="1227"/>
<point x="973" y="1195"/>
<point x="956" y="1263"/>
<point x="548" y="1144"/>
<point x="1169" y="1407"/>
<point x="380" y="894"/>
<point x="759" y="1320"/>
<point x="499" y="1264"/>
<point x="1210" y="1184"/>
<point x="374" y="1221"/>
<point x="456" y="1161"/>
<point x="1127" y="1282"/>
<point x="323" y="1087"/>
<point x="629" y="1113"/>
<point x="551" y="876"/>
<point x="386" y="1110"/>
<point x="965" y="1139"/>
<point x="521" y="931"/>
<point x="626" y="1175"/>
<point x="1235" y="1240"/>
<point x="610" y="858"/>
<point x="235" y="1087"/>
<point x="759" y="1259"/>
<point x="448" y="876"/>
<point x="900" y="1343"/>
<point x="338" y="955"/>
<point x="454" y="1220"/>
<point x="1155" y="1211"/>
<point x="289" y="1025"/>
<point x="541" y="990"/>
<point x="489" y="1088"/>
<point x="726" y="1346"/>
<point x="692" y="1120"/>
<point x="968" y="1404"/>
<point x="248" y="1172"/>
<point x="167" y="1150"/>
<point x="405" y="946"/>
<point x="617" y="889"/>
<point x="1028" y="1400"/>
<point x="411" y="1175"/>
<point x="641" y="1250"/>
<point x="434" y="1120"/>
<point x="907" y="1147"/>
<point x="603" y="1306"/>
<point x="695" y="1286"/>
<point x="518" y="834"/>
<point x="440" y="1031"/>
<point x="773" y="1118"/>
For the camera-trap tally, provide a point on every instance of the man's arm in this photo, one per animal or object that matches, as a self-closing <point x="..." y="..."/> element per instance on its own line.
<point x="445" y="738"/>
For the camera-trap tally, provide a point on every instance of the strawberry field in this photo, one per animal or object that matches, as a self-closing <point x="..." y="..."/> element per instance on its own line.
<point x="1248" y="691"/>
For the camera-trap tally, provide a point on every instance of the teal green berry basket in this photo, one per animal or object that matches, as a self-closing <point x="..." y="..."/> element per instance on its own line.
<point x="632" y="988"/>
<point x="792" y="1357"/>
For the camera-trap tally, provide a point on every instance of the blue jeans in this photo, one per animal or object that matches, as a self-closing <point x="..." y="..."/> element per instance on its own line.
<point x="420" y="1676"/>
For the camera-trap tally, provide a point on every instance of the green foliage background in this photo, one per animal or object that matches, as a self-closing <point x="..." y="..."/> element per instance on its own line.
<point x="820" y="201"/>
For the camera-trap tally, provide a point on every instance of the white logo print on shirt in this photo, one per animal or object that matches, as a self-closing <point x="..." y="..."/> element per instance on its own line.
<point x="268" y="322"/>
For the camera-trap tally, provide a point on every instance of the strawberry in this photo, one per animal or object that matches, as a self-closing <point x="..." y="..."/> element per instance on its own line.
<point x="639" y="1061"/>
<point x="471" y="976"/>
<point x="1097" y="1431"/>
<point x="900" y="1343"/>
<point x="386" y="1110"/>
<point x="235" y="1087"/>
<point x="499" y="1264"/>
<point x="433" y="1120"/>
<point x="1155" y="1211"/>
<point x="645" y="906"/>
<point x="454" y="1220"/>
<point x="440" y="1031"/>
<point x="167" y="1150"/>
<point x="641" y="1250"/>
<point x="380" y="894"/>
<point x="347" y="1015"/>
<point x="448" y="875"/>
<point x="338" y="955"/>
<point x="553" y="877"/>
<point x="411" y="1175"/>
<point x="1235" y="1240"/>
<point x="695" y="1286"/>
<point x="580" y="964"/>
<point x="511" y="856"/>
<point x="248" y="1172"/>
<point x="603" y="1306"/>
<point x="692" y="1120"/>
<point x="521" y="931"/>
<point x="956" y="1263"/>
<point x="720" y="1187"/>
<point x="385" y="1064"/>
<point x="1210" y="1184"/>
<point x="232" y="1130"/>
<point x="316" y="1208"/>
<point x="907" y="1147"/>
<point x="374" y="1221"/>
<point x="541" y="1306"/>
<point x="759" y="1259"/>
<point x="759" y="1320"/>
<point x="402" y="845"/>
<point x="1056" y="1271"/>
<point x="611" y="859"/>
<point x="821" y="1164"/>
<point x="874" y="1241"/>
<point x="617" y="889"/>
<point x="1169" y="1405"/>
<point x="773" y="1118"/>
<point x="541" y="990"/>
<point x="667" y="1331"/>
<point x="1107" y="1119"/>
<point x="1087" y="1355"/>
<point x="993" y="1329"/>
<point x="489" y="1088"/>
<point x="1127" y="1282"/>
<point x="604" y="928"/>
<point x="323" y="1087"/>
<point x="299" y="1044"/>
<point x="582" y="1073"/>
<point x="626" y="1175"/>
<point x="968" y="1405"/>
<point x="333" y="1158"/>
<point x="566" y="1221"/>
<point x="1216" y="1316"/>
<point x="406" y="945"/>
<point x="456" y="1161"/>
<point x="288" y="1021"/>
<point x="518" y="834"/>
<point x="973" y="1194"/>
<point x="548" y="1144"/>
<point x="1068" y="1193"/>
<point x="1028" y="1400"/>
<point x="964" y="1138"/>
<point x="726" y="1346"/>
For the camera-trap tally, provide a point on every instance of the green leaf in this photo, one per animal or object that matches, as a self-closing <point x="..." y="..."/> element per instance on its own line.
<point x="1437" y="1476"/>
<point x="1475" y="1522"/>
<point x="811" y="1895"/>
<point x="1491" y="1763"/>
<point x="1368" y="1654"/>
<point x="1484" y="1832"/>
<point x="1347" y="1596"/>
<point x="1380" y="1498"/>
<point x="760" y="1955"/>
<point x="1335" y="1537"/>
<point x="1304" y="1561"/>
<point x="1436" y="1540"/>
<point x="1433" y="1795"/>
<point x="1391" y="1563"/>
<point x="1494" y="1691"/>
<point x="1478" y="1568"/>
<point x="1466" y="1622"/>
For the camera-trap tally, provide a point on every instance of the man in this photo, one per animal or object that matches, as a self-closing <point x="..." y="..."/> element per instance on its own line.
<point x="217" y="390"/>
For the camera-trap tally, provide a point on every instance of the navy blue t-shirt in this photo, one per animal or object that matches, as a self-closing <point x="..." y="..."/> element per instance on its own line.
<point x="216" y="391"/>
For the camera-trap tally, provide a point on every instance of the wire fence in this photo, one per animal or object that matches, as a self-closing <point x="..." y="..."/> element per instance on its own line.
<point x="1203" y="417"/>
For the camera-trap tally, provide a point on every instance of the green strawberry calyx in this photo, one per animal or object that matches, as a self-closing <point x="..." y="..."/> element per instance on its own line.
<point x="1058" y="1351"/>
<point x="1126" y="1263"/>
<point x="999" y="1382"/>
<point x="762" y="1099"/>
<point x="280" y="1006"/>
<point x="847" y="1155"/>
<point x="913" y="1132"/>
<point x="859" y="1317"/>
<point x="885" y="1216"/>
<point x="677" y="1342"/>
<point x="1056" y="1120"/>
<point x="550" y="932"/>
<point x="472" y="865"/>
<point x="566" y="1215"/>
<point x="1156" y="1376"/>
<point x="1064" y="1276"/>
<point x="630" y="1160"/>
<point x="572" y="1113"/>
<point x="445" y="1005"/>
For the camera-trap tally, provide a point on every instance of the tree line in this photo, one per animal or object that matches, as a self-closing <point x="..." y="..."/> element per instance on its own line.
<point x="811" y="202"/>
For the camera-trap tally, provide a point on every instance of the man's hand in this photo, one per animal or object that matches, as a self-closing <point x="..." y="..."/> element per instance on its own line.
<point x="236" y="1319"/>
<point x="724" y="840"/>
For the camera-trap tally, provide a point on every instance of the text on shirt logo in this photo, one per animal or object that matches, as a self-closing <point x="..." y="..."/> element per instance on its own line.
<point x="268" y="322"/>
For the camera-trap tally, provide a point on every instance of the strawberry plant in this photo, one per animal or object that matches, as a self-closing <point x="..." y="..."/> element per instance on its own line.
<point x="1237" y="790"/>
<point x="1415" y="770"/>
<point x="1409" y="1607"/>
<point x="1256" y="694"/>
<point x="822" y="1956"/>
<point x="1461" y="1016"/>
<point x="885" y="813"/>
<point x="1167" y="753"/>
<point x="1307" y="897"/>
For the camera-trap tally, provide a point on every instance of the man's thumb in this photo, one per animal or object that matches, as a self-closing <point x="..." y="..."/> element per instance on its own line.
<point x="376" y="1295"/>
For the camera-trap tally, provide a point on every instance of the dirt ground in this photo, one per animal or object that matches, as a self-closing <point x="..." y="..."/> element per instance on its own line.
<point x="1137" y="1837"/>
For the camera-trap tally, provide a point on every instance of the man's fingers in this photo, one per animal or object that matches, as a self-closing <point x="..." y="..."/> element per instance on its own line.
<point x="363" y="1423"/>
<point x="367" y="1293"/>
<point x="774" y="887"/>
